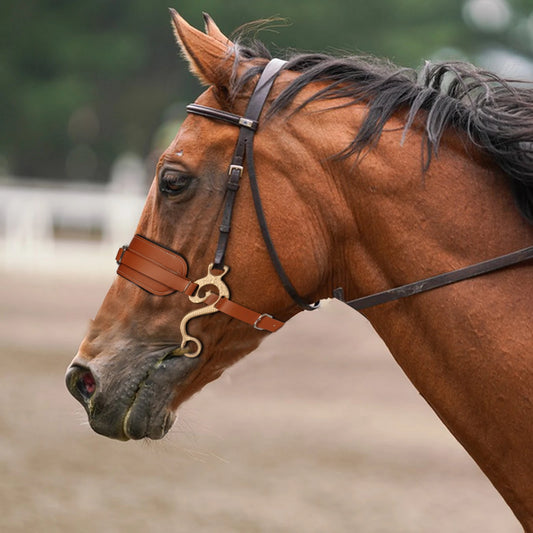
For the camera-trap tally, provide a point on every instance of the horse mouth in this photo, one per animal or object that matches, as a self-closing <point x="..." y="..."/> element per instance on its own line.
<point x="147" y="416"/>
<point x="134" y="407"/>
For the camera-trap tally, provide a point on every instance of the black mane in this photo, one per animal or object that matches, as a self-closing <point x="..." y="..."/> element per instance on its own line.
<point x="496" y="114"/>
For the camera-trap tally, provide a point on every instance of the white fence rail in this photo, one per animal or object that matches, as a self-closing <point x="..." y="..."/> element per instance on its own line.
<point x="58" y="227"/>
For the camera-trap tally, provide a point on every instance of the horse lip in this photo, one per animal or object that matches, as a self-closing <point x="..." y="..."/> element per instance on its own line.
<point x="137" y="427"/>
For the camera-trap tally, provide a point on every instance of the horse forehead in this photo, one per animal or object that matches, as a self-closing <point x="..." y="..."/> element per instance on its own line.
<point x="198" y="133"/>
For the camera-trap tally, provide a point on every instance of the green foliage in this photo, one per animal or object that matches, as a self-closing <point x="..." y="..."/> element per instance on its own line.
<point x="102" y="77"/>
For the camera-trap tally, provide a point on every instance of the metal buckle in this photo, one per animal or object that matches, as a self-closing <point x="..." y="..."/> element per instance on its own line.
<point x="184" y="291"/>
<point x="238" y="168"/>
<point x="259" y="318"/>
<point x="119" y="259"/>
<point x="247" y="122"/>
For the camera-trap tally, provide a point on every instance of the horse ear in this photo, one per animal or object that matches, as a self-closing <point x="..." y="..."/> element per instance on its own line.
<point x="213" y="31"/>
<point x="210" y="56"/>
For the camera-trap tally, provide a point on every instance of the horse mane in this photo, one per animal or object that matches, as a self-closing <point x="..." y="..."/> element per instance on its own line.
<point x="495" y="114"/>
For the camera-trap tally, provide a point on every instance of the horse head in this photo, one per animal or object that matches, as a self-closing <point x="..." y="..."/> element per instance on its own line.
<point x="136" y="364"/>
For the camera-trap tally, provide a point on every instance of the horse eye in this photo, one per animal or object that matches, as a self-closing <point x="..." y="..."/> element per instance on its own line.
<point x="173" y="182"/>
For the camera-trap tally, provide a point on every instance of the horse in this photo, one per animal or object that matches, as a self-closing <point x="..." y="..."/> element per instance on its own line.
<point x="289" y="180"/>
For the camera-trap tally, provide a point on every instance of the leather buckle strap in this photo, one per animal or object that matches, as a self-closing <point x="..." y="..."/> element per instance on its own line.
<point x="224" y="116"/>
<point x="162" y="272"/>
<point x="260" y="321"/>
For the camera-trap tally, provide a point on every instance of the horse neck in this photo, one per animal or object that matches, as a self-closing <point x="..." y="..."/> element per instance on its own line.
<point x="466" y="347"/>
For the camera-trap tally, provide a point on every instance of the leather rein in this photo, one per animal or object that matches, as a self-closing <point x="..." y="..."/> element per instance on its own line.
<point x="162" y="271"/>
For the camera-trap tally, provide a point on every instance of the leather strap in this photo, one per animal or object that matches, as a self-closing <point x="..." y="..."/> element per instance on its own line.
<point x="154" y="268"/>
<point x="162" y="272"/>
<point x="440" y="280"/>
<point x="248" y="125"/>
<point x="244" y="148"/>
<point x="225" y="116"/>
<point x="254" y="109"/>
<point x="260" y="321"/>
<point x="267" y="238"/>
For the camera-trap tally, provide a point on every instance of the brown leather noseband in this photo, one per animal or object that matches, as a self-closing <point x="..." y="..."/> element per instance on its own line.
<point x="162" y="272"/>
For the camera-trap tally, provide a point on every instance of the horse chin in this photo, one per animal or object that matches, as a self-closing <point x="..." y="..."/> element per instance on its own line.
<point x="141" y="422"/>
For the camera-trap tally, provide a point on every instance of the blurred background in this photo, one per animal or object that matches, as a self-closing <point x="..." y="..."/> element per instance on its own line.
<point x="318" y="430"/>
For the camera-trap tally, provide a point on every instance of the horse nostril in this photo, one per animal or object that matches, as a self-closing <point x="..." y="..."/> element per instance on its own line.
<point x="86" y="384"/>
<point x="81" y="383"/>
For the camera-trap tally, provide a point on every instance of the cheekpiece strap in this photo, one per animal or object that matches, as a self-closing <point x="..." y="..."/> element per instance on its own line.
<point x="248" y="125"/>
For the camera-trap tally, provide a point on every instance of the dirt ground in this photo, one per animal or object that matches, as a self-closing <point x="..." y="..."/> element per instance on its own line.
<point x="317" y="431"/>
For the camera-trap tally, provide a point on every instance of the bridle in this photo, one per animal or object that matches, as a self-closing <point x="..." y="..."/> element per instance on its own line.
<point x="162" y="271"/>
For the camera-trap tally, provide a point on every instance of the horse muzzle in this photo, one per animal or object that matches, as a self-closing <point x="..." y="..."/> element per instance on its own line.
<point x="132" y="404"/>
